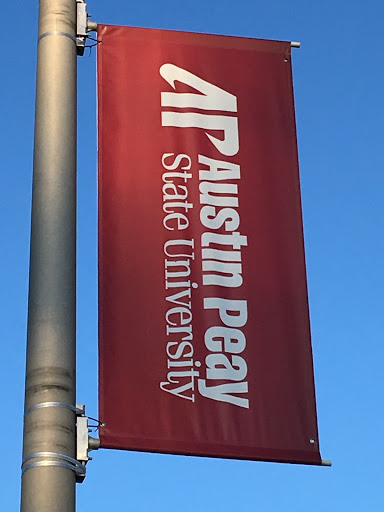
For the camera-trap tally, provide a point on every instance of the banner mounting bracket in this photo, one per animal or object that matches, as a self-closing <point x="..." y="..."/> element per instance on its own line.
<point x="84" y="26"/>
<point x="84" y="442"/>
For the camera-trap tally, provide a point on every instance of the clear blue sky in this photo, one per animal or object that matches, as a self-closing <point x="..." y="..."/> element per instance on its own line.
<point x="338" y="75"/>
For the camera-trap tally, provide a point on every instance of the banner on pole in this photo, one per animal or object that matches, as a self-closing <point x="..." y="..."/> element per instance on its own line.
<point x="204" y="334"/>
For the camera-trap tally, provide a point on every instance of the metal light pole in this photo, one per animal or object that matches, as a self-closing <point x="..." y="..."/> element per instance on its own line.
<point x="49" y="465"/>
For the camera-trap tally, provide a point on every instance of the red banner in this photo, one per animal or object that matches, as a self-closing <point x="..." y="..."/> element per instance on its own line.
<point x="204" y="330"/>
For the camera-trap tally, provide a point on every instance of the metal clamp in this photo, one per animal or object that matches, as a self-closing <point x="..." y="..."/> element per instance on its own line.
<point x="43" y="405"/>
<point x="57" y="33"/>
<point x="83" y="26"/>
<point x="84" y="443"/>
<point x="53" y="459"/>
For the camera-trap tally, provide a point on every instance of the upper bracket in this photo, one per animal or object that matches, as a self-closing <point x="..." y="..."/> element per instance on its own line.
<point x="83" y="26"/>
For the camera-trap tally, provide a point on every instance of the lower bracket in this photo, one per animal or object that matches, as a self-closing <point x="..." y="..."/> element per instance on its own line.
<point x="84" y="442"/>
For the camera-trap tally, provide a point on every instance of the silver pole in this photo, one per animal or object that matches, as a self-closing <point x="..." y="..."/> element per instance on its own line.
<point x="48" y="480"/>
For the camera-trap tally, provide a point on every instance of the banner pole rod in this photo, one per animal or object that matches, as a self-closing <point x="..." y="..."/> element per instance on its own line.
<point x="49" y="465"/>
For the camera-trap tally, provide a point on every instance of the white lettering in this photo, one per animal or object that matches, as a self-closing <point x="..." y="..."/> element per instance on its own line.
<point x="233" y="313"/>
<point x="211" y="97"/>
<point x="222" y="392"/>
<point x="228" y="146"/>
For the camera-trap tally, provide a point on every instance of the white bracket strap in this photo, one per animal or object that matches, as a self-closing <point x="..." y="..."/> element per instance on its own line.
<point x="43" y="405"/>
<point x="57" y="33"/>
<point x="53" y="459"/>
